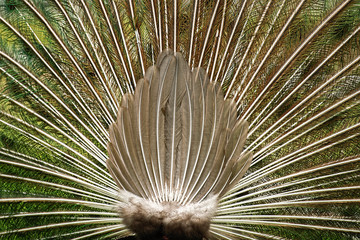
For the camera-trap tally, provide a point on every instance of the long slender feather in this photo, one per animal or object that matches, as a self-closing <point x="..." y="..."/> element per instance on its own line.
<point x="97" y="143"/>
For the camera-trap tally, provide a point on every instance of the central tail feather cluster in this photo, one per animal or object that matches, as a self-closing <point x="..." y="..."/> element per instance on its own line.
<point x="151" y="220"/>
<point x="176" y="144"/>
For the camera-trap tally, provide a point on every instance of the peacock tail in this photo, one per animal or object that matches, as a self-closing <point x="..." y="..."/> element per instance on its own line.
<point x="250" y="122"/>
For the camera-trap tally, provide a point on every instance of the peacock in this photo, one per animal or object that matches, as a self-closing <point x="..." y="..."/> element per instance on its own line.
<point x="180" y="119"/>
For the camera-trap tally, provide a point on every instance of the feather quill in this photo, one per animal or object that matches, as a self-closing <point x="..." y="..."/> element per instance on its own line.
<point x="176" y="158"/>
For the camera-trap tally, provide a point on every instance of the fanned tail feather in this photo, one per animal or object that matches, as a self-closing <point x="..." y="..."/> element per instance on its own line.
<point x="96" y="114"/>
